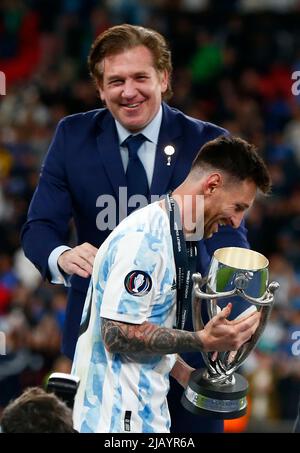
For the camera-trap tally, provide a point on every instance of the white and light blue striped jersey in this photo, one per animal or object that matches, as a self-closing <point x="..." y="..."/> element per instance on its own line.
<point x="133" y="281"/>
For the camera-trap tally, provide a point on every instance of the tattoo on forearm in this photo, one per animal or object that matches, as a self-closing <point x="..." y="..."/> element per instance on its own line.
<point x="147" y="338"/>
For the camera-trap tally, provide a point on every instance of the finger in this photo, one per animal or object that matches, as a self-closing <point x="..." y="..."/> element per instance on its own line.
<point x="86" y="253"/>
<point x="231" y="356"/>
<point x="83" y="264"/>
<point x="77" y="270"/>
<point x="246" y="334"/>
<point x="89" y="248"/>
<point x="225" y="312"/>
<point x="245" y="337"/>
<point x="255" y="327"/>
<point x="214" y="356"/>
<point x="247" y="316"/>
<point x="245" y="330"/>
<point x="248" y="323"/>
<point x="83" y="253"/>
<point x="88" y="259"/>
<point x="78" y="262"/>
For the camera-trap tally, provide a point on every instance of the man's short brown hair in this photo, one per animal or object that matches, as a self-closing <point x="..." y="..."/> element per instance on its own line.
<point x="237" y="158"/>
<point x="37" y="411"/>
<point x="123" y="37"/>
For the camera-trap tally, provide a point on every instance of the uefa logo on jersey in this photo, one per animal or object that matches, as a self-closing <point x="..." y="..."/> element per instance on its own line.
<point x="138" y="283"/>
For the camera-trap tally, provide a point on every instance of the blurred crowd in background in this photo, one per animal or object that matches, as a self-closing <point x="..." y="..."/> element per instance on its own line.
<point x="233" y="65"/>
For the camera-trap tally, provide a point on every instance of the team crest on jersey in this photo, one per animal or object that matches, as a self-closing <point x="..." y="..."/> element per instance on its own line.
<point x="138" y="283"/>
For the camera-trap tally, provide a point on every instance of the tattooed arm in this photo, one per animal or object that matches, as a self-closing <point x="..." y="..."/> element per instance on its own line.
<point x="219" y="334"/>
<point x="147" y="338"/>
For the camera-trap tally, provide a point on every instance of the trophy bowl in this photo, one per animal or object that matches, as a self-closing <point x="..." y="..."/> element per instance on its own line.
<point x="242" y="275"/>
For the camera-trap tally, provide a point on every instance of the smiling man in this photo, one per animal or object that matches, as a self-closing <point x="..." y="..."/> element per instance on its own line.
<point x="95" y="154"/>
<point x="131" y="87"/>
<point x="130" y="333"/>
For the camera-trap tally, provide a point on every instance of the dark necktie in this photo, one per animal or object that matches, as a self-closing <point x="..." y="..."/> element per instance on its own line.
<point x="137" y="182"/>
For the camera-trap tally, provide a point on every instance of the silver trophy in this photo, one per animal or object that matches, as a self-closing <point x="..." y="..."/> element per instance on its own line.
<point x="241" y="275"/>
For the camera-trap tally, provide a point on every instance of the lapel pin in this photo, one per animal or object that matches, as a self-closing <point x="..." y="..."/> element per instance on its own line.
<point x="169" y="150"/>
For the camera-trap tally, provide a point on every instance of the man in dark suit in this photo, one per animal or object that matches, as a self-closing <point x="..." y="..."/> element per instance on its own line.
<point x="90" y="159"/>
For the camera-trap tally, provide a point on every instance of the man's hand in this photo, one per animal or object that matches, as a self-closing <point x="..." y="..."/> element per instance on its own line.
<point x="79" y="260"/>
<point x="220" y="334"/>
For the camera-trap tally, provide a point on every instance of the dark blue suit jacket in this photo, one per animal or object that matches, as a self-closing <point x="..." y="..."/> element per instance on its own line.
<point x="84" y="162"/>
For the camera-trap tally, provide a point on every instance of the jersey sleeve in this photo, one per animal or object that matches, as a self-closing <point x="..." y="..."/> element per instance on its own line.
<point x="133" y="277"/>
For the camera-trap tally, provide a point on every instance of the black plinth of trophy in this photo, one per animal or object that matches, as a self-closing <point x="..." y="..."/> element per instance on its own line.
<point x="218" y="401"/>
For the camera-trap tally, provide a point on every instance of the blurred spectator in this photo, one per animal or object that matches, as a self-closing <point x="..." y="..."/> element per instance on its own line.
<point x="263" y="386"/>
<point x="292" y="132"/>
<point x="288" y="369"/>
<point x="20" y="363"/>
<point x="207" y="60"/>
<point x="28" y="275"/>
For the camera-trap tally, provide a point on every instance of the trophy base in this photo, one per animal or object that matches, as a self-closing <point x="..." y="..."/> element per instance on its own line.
<point x="216" y="401"/>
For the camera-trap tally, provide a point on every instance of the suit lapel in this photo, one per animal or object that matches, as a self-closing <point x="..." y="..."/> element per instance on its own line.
<point x="169" y="135"/>
<point x="108" y="145"/>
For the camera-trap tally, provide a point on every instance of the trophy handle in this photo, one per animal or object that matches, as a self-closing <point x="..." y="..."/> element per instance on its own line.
<point x="265" y="308"/>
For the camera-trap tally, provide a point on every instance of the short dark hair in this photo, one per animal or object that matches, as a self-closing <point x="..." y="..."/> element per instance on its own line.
<point x="236" y="157"/>
<point x="37" y="411"/>
<point x="123" y="37"/>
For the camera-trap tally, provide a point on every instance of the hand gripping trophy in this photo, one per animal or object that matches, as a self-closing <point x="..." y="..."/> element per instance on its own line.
<point x="241" y="274"/>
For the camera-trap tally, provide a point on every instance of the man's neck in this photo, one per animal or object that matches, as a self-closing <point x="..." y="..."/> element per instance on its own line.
<point x="191" y="208"/>
<point x="150" y="131"/>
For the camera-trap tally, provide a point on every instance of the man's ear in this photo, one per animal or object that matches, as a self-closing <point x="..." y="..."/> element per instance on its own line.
<point x="211" y="183"/>
<point x="164" y="80"/>
<point x="99" y="85"/>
